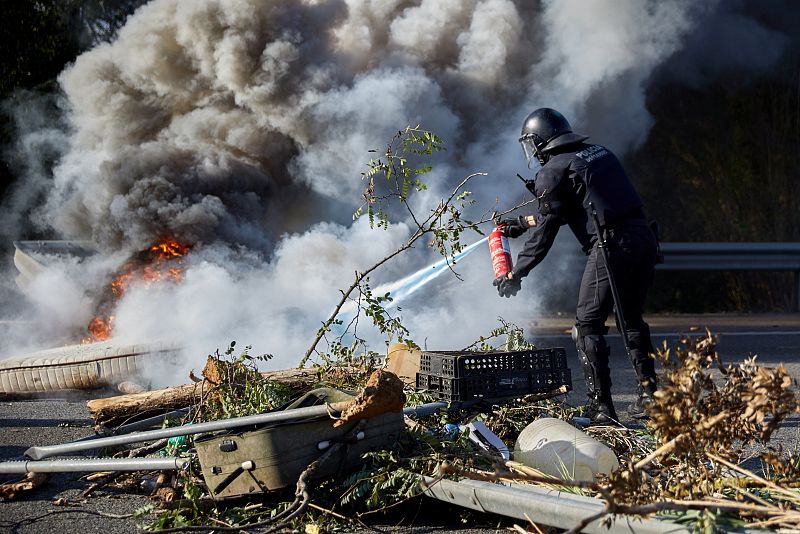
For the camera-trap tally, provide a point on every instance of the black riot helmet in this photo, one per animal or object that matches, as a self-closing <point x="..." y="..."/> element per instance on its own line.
<point x="544" y="130"/>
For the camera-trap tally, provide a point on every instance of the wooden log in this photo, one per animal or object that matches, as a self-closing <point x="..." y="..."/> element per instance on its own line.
<point x="113" y="410"/>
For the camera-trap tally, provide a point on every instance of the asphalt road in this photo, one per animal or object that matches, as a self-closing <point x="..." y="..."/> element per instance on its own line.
<point x="774" y="338"/>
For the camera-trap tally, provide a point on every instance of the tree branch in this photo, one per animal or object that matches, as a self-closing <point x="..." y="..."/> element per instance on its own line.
<point x="429" y="225"/>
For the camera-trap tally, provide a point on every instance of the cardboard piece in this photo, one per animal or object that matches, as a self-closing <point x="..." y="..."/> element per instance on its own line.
<point x="404" y="362"/>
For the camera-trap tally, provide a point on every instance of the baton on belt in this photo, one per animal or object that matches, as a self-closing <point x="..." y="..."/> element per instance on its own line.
<point x="602" y="244"/>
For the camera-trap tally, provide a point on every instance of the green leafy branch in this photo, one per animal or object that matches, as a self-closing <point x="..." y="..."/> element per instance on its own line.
<point x="514" y="339"/>
<point x="243" y="390"/>
<point x="375" y="308"/>
<point x="400" y="176"/>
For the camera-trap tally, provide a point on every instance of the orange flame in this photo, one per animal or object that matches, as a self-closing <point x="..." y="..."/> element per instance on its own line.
<point x="170" y="249"/>
<point x="99" y="330"/>
<point x="157" y="263"/>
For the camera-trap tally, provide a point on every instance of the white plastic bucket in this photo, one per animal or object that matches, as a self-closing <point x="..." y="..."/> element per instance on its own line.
<point x="557" y="448"/>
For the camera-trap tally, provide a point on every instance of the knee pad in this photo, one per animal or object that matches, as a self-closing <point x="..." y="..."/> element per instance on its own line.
<point x="580" y="345"/>
<point x="590" y="329"/>
<point x="591" y="347"/>
<point x="593" y="353"/>
<point x="596" y="348"/>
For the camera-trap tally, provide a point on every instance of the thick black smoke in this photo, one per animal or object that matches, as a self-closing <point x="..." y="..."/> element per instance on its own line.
<point x="203" y="118"/>
<point x="200" y="113"/>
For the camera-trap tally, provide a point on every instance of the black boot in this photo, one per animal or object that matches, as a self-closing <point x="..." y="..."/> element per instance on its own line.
<point x="600" y="411"/>
<point x="593" y="353"/>
<point x="644" y="366"/>
<point x="638" y="410"/>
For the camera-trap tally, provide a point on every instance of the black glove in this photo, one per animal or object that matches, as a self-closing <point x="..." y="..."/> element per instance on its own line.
<point x="514" y="227"/>
<point x="507" y="287"/>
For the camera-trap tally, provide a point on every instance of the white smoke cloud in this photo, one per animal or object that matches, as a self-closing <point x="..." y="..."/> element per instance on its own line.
<point x="428" y="31"/>
<point x="609" y="47"/>
<point x="484" y="47"/>
<point x="226" y="123"/>
<point x="276" y="305"/>
<point x="349" y="119"/>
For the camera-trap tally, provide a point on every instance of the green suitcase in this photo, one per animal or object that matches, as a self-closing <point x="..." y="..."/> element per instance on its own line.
<point x="266" y="459"/>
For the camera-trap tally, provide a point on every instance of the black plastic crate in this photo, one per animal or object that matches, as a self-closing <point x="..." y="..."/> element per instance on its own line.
<point x="492" y="375"/>
<point x="462" y="364"/>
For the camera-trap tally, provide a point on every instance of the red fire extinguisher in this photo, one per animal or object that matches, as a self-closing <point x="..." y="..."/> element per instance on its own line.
<point x="500" y="251"/>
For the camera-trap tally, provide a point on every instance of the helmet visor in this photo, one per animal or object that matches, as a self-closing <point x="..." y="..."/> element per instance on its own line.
<point x="528" y="148"/>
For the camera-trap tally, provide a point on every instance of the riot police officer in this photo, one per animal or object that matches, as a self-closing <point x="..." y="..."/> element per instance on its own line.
<point x="574" y="174"/>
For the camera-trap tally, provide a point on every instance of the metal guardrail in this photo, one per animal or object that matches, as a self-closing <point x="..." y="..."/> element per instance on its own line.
<point x="714" y="256"/>
<point x="545" y="506"/>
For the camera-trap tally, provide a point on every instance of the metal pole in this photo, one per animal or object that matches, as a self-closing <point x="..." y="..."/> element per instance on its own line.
<point x="38" y="453"/>
<point x="150" y="422"/>
<point x="92" y="464"/>
<point x="144" y="424"/>
<point x="602" y="245"/>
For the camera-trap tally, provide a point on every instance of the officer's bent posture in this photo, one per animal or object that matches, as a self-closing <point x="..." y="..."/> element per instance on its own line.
<point x="573" y="174"/>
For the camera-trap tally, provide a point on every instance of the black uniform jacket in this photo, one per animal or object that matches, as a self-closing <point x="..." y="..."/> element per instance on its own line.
<point x="575" y="176"/>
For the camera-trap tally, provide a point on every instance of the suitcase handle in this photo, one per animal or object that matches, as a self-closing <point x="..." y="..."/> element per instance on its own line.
<point x="247" y="465"/>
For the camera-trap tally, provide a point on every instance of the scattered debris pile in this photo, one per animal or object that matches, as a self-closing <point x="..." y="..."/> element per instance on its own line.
<point x="234" y="391"/>
<point x="707" y="419"/>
